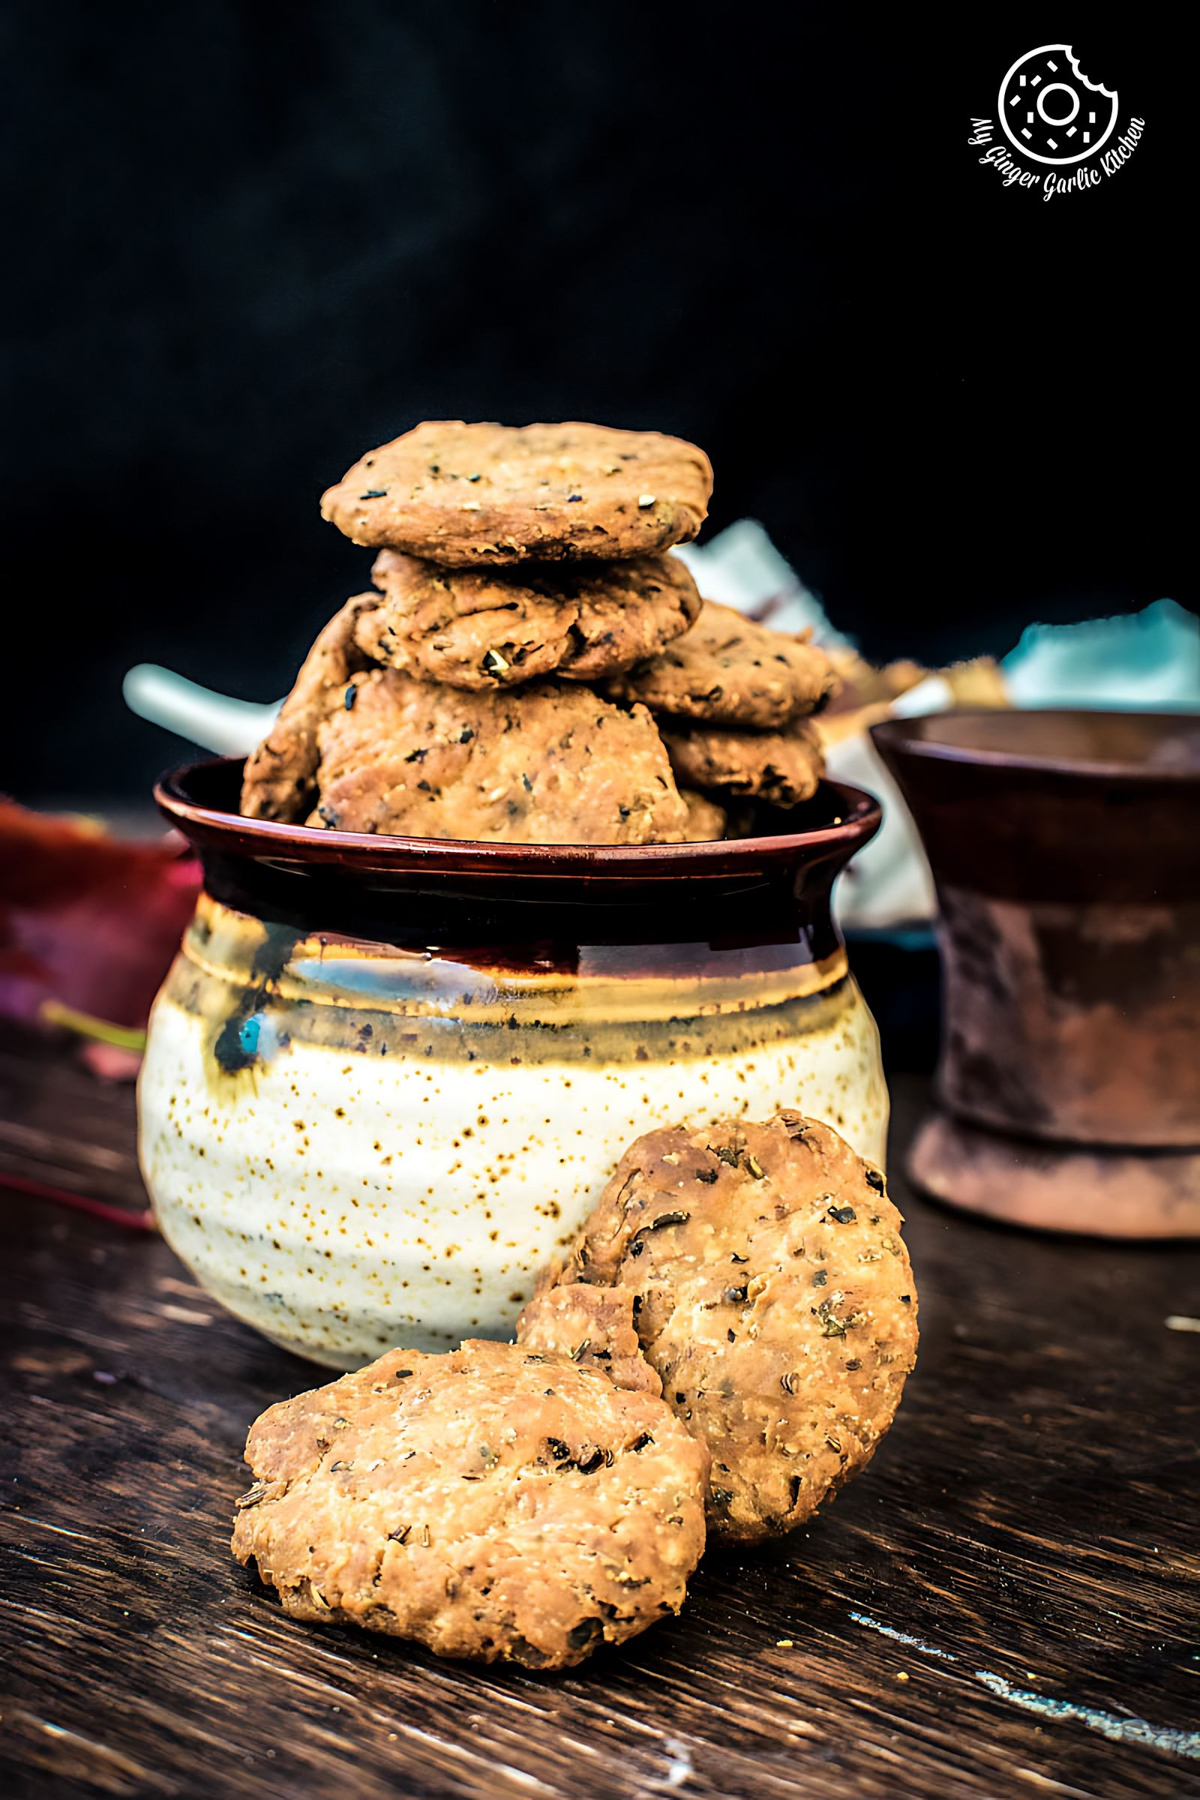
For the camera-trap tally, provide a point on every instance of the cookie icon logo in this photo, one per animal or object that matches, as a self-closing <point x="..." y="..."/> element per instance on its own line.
<point x="1050" y="111"/>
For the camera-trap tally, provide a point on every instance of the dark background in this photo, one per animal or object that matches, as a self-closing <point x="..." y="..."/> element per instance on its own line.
<point x="252" y="241"/>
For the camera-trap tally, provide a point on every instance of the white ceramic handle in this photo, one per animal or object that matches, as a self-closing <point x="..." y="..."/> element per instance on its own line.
<point x="214" y="721"/>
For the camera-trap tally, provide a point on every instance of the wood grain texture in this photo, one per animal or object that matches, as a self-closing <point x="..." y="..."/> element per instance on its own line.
<point x="1032" y="1524"/>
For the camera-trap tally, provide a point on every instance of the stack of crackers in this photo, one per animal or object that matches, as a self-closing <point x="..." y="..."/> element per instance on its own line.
<point x="532" y="666"/>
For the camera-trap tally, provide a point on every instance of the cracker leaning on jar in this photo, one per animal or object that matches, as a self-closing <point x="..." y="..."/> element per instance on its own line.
<point x="772" y="1295"/>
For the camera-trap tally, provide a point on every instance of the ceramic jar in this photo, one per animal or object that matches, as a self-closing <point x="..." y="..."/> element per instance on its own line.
<point x="387" y="1078"/>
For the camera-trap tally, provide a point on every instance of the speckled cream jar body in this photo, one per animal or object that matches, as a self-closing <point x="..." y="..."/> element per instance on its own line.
<point x="354" y="1142"/>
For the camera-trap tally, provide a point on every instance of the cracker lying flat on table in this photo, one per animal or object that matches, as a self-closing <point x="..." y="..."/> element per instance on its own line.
<point x="491" y="628"/>
<point x="729" y="670"/>
<point x="551" y="763"/>
<point x="478" y="494"/>
<point x="494" y="1503"/>
<point x="772" y="1295"/>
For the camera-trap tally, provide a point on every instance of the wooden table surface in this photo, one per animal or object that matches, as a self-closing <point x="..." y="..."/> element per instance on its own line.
<point x="1007" y="1603"/>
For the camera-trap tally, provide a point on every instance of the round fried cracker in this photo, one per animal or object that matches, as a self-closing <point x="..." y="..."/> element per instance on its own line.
<point x="491" y="1503"/>
<point x="493" y="628"/>
<point x="548" y="763"/>
<point x="781" y="767"/>
<point x="729" y="670"/>
<point x="472" y="495"/>
<point x="773" y="1297"/>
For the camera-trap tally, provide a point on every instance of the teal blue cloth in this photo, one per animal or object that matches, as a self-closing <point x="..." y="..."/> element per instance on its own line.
<point x="1145" y="662"/>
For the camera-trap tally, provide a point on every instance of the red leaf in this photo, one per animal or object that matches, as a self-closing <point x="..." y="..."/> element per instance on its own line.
<point x="87" y="919"/>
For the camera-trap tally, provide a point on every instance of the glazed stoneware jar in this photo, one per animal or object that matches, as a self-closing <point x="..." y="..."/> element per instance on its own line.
<point x="387" y="1078"/>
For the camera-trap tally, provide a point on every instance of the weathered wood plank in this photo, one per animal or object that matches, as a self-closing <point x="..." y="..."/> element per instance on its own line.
<point x="1027" y="1540"/>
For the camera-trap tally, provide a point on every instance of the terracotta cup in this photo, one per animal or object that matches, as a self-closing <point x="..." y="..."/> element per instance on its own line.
<point x="388" y="1077"/>
<point x="1066" y="851"/>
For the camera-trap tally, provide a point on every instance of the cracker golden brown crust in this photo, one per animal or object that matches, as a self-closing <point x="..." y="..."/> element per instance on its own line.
<point x="492" y="1503"/>
<point x="782" y="767"/>
<point x="773" y="1296"/>
<point x="594" y="1327"/>
<point x="550" y="764"/>
<point x="729" y="670"/>
<point x="472" y="495"/>
<point x="493" y="628"/>
<point x="279" y="779"/>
